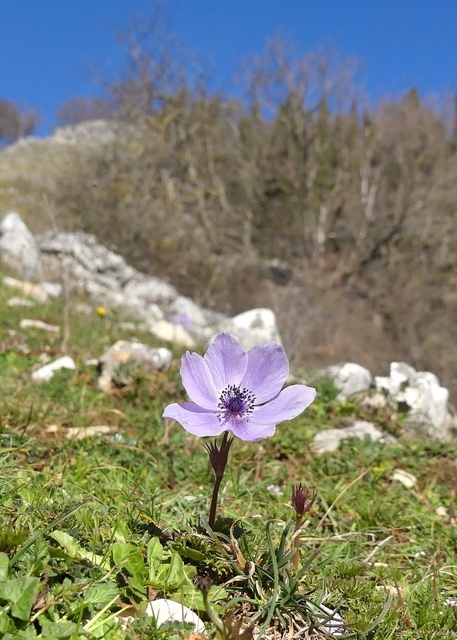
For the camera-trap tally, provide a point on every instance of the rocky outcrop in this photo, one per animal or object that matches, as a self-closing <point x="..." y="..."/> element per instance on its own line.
<point x="18" y="248"/>
<point x="418" y="394"/>
<point x="79" y="262"/>
<point x="350" y="378"/>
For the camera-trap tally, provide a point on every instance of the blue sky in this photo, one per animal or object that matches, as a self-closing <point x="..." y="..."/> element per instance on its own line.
<point x="46" y="44"/>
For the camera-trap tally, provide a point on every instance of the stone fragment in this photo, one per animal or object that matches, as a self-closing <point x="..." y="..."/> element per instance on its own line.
<point x="330" y="439"/>
<point x="79" y="433"/>
<point x="251" y="328"/>
<point x="127" y="326"/>
<point x="400" y="375"/>
<point x="275" y="490"/>
<point x="374" y="401"/>
<point x="15" y="301"/>
<point x="27" y="288"/>
<point x="18" y="248"/>
<point x="407" y="479"/>
<point x="118" y="362"/>
<point x="350" y="378"/>
<point x="44" y="374"/>
<point x="53" y="289"/>
<point x="419" y="395"/>
<point x="171" y="333"/>
<point x="82" y="307"/>
<point x="25" y="323"/>
<point x="164" y="610"/>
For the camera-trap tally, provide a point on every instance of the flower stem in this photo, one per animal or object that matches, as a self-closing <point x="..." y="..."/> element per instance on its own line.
<point x="212" y="513"/>
<point x="295" y="557"/>
<point x="218" y="458"/>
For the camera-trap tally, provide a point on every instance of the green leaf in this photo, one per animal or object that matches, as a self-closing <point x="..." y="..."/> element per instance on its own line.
<point x="21" y="594"/>
<point x="98" y="595"/>
<point x="121" y="532"/>
<point x="192" y="597"/>
<point x="170" y="576"/>
<point x="4" y="563"/>
<point x="58" y="629"/>
<point x="154" y="552"/>
<point x="4" y="622"/>
<point x="131" y="557"/>
<point x="190" y="553"/>
<point x="75" y="550"/>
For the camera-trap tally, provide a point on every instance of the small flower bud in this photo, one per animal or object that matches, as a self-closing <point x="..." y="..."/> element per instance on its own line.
<point x="203" y="583"/>
<point x="302" y="499"/>
<point x="218" y="456"/>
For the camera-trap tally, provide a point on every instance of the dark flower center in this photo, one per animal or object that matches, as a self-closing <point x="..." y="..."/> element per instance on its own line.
<point x="235" y="403"/>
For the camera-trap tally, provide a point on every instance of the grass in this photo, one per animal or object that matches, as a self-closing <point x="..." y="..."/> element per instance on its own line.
<point x="93" y="527"/>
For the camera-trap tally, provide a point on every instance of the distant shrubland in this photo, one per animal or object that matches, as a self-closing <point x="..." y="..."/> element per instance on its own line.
<point x="297" y="195"/>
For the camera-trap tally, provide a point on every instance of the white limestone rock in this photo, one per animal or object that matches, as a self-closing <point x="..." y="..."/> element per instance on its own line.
<point x="400" y="375"/>
<point x="349" y="377"/>
<point x="44" y="374"/>
<point x="407" y="479"/>
<point x="329" y="439"/>
<point x="171" y="333"/>
<point x="53" y="289"/>
<point x="29" y="289"/>
<point x="26" y="323"/>
<point x="111" y="282"/>
<point x="252" y="328"/>
<point x="123" y="356"/>
<point x="16" y="301"/>
<point x="421" y="396"/>
<point x="164" y="610"/>
<point x="79" y="433"/>
<point x="18" y="248"/>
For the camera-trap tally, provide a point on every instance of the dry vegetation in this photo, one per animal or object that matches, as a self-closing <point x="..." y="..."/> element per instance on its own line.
<point x="340" y="217"/>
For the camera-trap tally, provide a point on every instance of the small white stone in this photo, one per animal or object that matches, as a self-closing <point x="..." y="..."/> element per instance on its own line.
<point x="171" y="333"/>
<point x="82" y="307"/>
<point x="450" y="603"/>
<point x="79" y="433"/>
<point x="329" y="439"/>
<point x="252" y="328"/>
<point x="25" y="323"/>
<point x="27" y="288"/>
<point x="275" y="490"/>
<point x="15" y="301"/>
<point x="350" y="378"/>
<point x="44" y="374"/>
<point x="164" y="610"/>
<point x="407" y="479"/>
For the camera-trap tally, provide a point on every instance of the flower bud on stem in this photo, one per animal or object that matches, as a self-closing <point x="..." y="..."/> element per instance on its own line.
<point x="302" y="501"/>
<point x="218" y="458"/>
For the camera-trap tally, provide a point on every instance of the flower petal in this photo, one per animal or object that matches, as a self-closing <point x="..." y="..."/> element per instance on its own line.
<point x="194" y="419"/>
<point x="226" y="361"/>
<point x="289" y="404"/>
<point x="246" y="430"/>
<point x="198" y="382"/>
<point x="266" y="372"/>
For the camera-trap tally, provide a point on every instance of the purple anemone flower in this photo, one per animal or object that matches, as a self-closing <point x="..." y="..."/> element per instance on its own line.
<point x="232" y="390"/>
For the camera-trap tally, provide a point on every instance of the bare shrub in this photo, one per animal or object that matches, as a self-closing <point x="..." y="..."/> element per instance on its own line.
<point x="14" y="123"/>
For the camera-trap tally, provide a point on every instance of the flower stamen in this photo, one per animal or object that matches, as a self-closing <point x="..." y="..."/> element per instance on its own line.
<point x="235" y="403"/>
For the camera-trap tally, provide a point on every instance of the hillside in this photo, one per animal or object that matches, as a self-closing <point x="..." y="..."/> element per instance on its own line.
<point x="345" y="227"/>
<point x="105" y="504"/>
